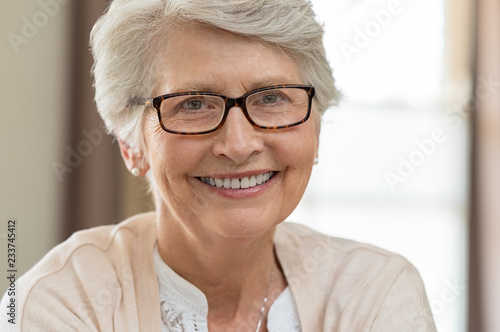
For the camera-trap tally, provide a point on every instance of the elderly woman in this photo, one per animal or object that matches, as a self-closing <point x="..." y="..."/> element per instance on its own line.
<point x="218" y="104"/>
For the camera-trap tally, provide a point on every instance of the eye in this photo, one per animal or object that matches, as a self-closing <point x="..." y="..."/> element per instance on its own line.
<point x="271" y="98"/>
<point x="193" y="104"/>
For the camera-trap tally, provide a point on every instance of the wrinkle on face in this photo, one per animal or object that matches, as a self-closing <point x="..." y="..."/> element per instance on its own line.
<point x="230" y="65"/>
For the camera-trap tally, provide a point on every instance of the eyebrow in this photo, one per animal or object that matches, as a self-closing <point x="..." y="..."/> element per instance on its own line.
<point x="199" y="86"/>
<point x="273" y="81"/>
<point x="219" y="88"/>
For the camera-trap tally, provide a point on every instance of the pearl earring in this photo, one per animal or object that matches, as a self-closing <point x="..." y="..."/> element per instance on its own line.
<point x="136" y="171"/>
<point x="316" y="160"/>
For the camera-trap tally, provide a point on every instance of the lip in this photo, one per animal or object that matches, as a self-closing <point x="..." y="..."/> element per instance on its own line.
<point x="238" y="175"/>
<point x="239" y="193"/>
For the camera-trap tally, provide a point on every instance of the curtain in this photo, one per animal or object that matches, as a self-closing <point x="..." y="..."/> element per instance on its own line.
<point x="484" y="294"/>
<point x="98" y="190"/>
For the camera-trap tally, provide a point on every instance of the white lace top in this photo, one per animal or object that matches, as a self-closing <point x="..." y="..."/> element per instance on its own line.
<point x="184" y="307"/>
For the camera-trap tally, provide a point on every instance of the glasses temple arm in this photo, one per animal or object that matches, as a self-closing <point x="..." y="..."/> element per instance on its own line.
<point x="141" y="101"/>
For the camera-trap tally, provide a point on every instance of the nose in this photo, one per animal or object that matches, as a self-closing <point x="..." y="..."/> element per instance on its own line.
<point x="238" y="139"/>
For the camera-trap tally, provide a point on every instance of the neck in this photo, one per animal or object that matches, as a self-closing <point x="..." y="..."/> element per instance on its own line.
<point x="232" y="273"/>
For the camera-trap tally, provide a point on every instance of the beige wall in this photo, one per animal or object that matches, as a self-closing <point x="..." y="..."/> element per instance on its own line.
<point x="33" y="88"/>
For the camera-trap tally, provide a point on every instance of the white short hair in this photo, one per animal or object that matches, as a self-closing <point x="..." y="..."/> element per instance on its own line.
<point x="124" y="43"/>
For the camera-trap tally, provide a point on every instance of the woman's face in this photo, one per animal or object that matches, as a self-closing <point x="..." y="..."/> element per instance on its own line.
<point x="204" y="59"/>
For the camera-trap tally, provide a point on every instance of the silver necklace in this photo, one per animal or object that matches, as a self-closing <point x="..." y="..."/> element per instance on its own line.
<point x="263" y="308"/>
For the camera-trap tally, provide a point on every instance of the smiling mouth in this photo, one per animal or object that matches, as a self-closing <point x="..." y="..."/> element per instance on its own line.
<point x="235" y="183"/>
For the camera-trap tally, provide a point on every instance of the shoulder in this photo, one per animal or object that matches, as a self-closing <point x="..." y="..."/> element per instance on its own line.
<point x="353" y="284"/>
<point x="89" y="267"/>
<point x="301" y="241"/>
<point x="105" y="236"/>
<point x="99" y="242"/>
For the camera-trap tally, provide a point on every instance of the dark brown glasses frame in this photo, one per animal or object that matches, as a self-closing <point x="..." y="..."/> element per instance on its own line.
<point x="229" y="103"/>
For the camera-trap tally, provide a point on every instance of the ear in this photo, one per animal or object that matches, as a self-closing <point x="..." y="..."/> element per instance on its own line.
<point x="132" y="158"/>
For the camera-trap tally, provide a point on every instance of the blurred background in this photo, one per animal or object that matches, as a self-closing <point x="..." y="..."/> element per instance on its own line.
<point x="409" y="161"/>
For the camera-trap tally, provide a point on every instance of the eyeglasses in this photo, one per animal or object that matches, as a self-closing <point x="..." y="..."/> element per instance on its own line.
<point x="196" y="113"/>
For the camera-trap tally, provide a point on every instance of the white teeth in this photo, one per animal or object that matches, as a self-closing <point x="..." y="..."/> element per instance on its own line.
<point x="244" y="183"/>
<point x="252" y="181"/>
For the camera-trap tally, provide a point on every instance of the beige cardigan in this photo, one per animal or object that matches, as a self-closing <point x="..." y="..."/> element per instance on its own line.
<point x="103" y="279"/>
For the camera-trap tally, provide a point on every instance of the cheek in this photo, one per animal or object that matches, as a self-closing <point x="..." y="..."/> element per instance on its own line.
<point x="298" y="156"/>
<point x="298" y="149"/>
<point x="172" y="155"/>
<point x="297" y="153"/>
<point x="159" y="148"/>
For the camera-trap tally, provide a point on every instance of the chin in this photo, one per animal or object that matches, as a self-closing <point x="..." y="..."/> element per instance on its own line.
<point x="244" y="227"/>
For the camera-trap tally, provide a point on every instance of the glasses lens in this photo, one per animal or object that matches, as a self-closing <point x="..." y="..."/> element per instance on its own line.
<point x="192" y="113"/>
<point x="278" y="107"/>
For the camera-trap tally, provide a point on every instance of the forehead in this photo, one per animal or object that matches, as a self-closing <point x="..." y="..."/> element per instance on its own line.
<point x="201" y="58"/>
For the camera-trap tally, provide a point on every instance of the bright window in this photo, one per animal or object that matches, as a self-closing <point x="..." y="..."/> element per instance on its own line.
<point x="393" y="156"/>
